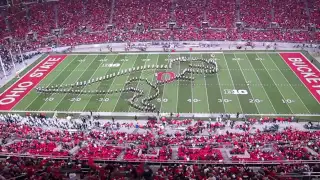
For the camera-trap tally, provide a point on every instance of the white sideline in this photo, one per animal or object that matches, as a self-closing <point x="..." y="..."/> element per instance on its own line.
<point x="132" y="114"/>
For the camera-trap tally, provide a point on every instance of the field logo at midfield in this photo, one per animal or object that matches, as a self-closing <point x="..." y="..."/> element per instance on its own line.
<point x="161" y="76"/>
<point x="308" y="74"/>
<point x="25" y="84"/>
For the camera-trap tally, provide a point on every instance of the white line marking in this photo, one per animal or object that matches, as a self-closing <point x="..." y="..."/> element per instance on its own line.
<point x="50" y="81"/>
<point x="132" y="65"/>
<point x="261" y="84"/>
<point x="153" y="77"/>
<point x="300" y="79"/>
<point x="83" y="88"/>
<point x="141" y="74"/>
<point x="251" y="94"/>
<point x="98" y="84"/>
<point x="276" y="86"/>
<point x="152" y="114"/>
<point x="23" y="76"/>
<point x="224" y="105"/>
<point x="224" y="57"/>
<point x="177" y="103"/>
<point x="192" y="86"/>
<point x="205" y="84"/>
<point x="288" y="81"/>
<point x="75" y="81"/>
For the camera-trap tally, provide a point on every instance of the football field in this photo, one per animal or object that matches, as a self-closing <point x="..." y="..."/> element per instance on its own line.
<point x="246" y="82"/>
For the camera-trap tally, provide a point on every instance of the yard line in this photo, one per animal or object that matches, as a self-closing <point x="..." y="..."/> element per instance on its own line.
<point x="224" y="57"/>
<point x="178" y="88"/>
<point x="274" y="83"/>
<point x="51" y="81"/>
<point x="247" y="85"/>
<point x="192" y="86"/>
<point x="141" y="74"/>
<point x="288" y="83"/>
<point x="224" y="106"/>
<point x="84" y="86"/>
<point x="153" y="77"/>
<point x="169" y="57"/>
<point x="113" y="84"/>
<point x="123" y="85"/>
<point x="75" y="80"/>
<point x="261" y="84"/>
<point x="205" y="83"/>
<point x="107" y="70"/>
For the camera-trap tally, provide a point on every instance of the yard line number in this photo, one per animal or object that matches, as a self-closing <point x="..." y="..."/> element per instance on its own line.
<point x="75" y="99"/>
<point x="48" y="99"/>
<point x="194" y="100"/>
<point x="103" y="99"/>
<point x="236" y="59"/>
<point x="111" y="65"/>
<point x="235" y="91"/>
<point x="162" y="100"/>
<point x="255" y="100"/>
<point x="103" y="60"/>
<point x="287" y="101"/>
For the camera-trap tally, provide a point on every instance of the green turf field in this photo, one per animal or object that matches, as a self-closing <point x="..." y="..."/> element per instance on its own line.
<point x="251" y="83"/>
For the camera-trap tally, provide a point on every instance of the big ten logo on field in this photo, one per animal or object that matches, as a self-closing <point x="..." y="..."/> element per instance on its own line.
<point x="165" y="76"/>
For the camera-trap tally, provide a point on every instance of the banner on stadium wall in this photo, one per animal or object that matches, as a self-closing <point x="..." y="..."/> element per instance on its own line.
<point x="45" y="50"/>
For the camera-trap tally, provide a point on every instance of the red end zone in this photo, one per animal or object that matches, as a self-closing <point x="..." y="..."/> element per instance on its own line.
<point x="306" y="72"/>
<point x="25" y="84"/>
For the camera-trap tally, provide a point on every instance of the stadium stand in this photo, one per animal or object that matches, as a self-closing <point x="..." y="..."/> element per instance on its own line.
<point x="290" y="14"/>
<point x="221" y="14"/>
<point x="76" y="21"/>
<point x="52" y="146"/>
<point x="36" y="147"/>
<point x="255" y="14"/>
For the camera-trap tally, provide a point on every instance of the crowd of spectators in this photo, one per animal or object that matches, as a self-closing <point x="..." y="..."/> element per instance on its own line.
<point x="151" y="14"/>
<point x="291" y="14"/>
<point x="189" y="14"/>
<point x="86" y="22"/>
<point x="314" y="12"/>
<point x="255" y="14"/>
<point x="32" y="142"/>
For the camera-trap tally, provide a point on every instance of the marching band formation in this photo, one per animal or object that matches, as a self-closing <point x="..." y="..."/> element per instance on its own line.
<point x="205" y="66"/>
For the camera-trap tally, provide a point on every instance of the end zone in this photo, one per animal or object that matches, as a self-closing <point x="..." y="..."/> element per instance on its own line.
<point x="16" y="92"/>
<point x="308" y="74"/>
